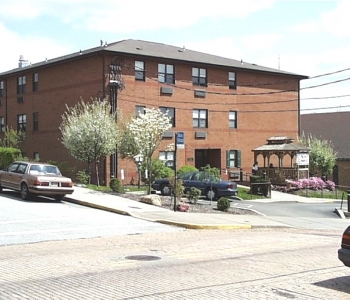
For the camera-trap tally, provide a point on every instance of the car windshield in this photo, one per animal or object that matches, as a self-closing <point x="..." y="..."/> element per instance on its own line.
<point x="44" y="169"/>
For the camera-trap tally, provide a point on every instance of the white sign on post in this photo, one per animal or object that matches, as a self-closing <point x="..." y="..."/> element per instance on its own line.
<point x="302" y="159"/>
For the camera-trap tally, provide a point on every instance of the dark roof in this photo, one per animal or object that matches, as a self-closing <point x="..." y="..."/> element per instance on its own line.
<point x="158" y="50"/>
<point x="281" y="144"/>
<point x="329" y="126"/>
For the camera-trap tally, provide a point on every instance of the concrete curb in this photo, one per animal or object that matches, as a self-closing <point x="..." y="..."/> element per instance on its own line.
<point x="121" y="212"/>
<point x="166" y="222"/>
<point x="206" y="226"/>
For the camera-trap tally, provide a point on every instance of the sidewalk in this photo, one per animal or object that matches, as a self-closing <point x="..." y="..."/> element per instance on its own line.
<point x="120" y="205"/>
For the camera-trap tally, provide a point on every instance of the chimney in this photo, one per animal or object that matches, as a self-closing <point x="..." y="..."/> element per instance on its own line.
<point x="22" y="62"/>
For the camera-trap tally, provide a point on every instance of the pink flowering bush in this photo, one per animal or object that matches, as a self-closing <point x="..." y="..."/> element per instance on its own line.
<point x="313" y="183"/>
<point x="184" y="207"/>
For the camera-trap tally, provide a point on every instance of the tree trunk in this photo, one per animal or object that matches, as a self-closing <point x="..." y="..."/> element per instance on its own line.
<point x="149" y="169"/>
<point x="97" y="176"/>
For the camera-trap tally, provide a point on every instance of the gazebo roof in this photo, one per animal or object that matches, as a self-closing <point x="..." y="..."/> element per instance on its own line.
<point x="281" y="143"/>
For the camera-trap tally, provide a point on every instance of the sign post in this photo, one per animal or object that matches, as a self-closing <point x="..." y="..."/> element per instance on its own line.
<point x="179" y="144"/>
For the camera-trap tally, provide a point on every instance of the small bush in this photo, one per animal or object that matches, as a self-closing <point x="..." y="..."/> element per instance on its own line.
<point x="116" y="185"/>
<point x="83" y="177"/>
<point x="193" y="195"/>
<point x="223" y="204"/>
<point x="313" y="183"/>
<point x="179" y="187"/>
<point x="185" y="169"/>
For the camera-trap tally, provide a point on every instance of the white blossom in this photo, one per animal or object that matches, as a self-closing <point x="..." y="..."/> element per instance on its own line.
<point x="148" y="130"/>
<point x="89" y="130"/>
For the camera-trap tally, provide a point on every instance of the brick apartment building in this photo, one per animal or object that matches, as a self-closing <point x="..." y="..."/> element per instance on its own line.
<point x="224" y="107"/>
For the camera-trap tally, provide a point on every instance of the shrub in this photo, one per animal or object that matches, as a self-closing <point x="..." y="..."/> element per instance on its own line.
<point x="212" y="171"/>
<point x="159" y="170"/>
<point x="83" y="177"/>
<point x="193" y="195"/>
<point x="179" y="187"/>
<point x="185" y="169"/>
<point x="116" y="185"/>
<point x="313" y="183"/>
<point x="8" y="156"/>
<point x="223" y="204"/>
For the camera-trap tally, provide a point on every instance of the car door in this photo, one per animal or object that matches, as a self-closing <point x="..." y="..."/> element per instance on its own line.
<point x="18" y="175"/>
<point x="186" y="180"/>
<point x="195" y="181"/>
<point x="8" y="175"/>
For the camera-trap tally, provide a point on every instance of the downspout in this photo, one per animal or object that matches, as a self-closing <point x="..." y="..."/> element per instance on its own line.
<point x="299" y="123"/>
<point x="103" y="97"/>
<point x="6" y="113"/>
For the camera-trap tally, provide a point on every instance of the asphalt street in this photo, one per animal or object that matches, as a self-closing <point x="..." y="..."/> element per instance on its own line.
<point x="43" y="219"/>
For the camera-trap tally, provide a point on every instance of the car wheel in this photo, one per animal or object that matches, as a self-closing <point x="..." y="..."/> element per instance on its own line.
<point x="165" y="189"/>
<point x="25" y="195"/>
<point x="211" y="194"/>
<point x="59" y="197"/>
<point x="0" y="188"/>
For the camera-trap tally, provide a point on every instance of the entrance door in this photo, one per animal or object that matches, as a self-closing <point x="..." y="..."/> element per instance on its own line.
<point x="210" y="157"/>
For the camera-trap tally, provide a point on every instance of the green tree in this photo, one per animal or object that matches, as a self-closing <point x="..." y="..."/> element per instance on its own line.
<point x="12" y="138"/>
<point x="127" y="147"/>
<point x="89" y="131"/>
<point x="322" y="156"/>
<point x="159" y="170"/>
<point x="147" y="131"/>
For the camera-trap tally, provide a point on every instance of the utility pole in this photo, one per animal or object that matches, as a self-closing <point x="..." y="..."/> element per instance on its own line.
<point x="116" y="83"/>
<point x="175" y="171"/>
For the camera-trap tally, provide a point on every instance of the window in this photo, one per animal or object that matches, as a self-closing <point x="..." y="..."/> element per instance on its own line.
<point x="2" y="124"/>
<point x="166" y="73"/>
<point x="13" y="167"/>
<point x="199" y="76"/>
<point x="35" y="121"/>
<point x="232" y="119"/>
<point x="36" y="157"/>
<point x="232" y="80"/>
<point x="168" y="158"/>
<point x="139" y="110"/>
<point x="22" y="168"/>
<point x="139" y="70"/>
<point x="21" y="85"/>
<point x="171" y="114"/>
<point x="1" y="88"/>
<point x="233" y="158"/>
<point x="21" y="122"/>
<point x="35" y="82"/>
<point x="200" y="118"/>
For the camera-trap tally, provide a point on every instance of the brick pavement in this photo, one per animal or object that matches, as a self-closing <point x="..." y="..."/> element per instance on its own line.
<point x="223" y="264"/>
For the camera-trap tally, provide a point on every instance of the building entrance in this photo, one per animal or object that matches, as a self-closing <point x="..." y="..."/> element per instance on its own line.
<point x="210" y="157"/>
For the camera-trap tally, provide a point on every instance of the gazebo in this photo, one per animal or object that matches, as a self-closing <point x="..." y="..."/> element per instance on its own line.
<point x="294" y="168"/>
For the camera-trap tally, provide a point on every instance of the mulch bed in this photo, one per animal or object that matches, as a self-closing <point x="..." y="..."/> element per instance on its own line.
<point x="193" y="208"/>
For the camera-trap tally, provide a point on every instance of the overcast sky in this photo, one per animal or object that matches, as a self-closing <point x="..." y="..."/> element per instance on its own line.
<point x="305" y="37"/>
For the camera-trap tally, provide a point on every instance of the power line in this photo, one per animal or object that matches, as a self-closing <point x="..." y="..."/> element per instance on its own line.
<point x="146" y="102"/>
<point x="263" y="84"/>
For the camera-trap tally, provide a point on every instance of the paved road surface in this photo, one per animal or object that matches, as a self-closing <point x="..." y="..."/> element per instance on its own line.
<point x="273" y="264"/>
<point x="45" y="220"/>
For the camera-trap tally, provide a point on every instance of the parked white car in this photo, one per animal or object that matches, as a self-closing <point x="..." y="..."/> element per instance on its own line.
<point x="31" y="178"/>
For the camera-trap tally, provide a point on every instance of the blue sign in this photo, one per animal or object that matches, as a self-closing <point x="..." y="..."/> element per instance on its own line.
<point x="180" y="140"/>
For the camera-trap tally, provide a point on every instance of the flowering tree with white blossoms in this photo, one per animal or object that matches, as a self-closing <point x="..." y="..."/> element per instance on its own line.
<point x="147" y="130"/>
<point x="89" y="131"/>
